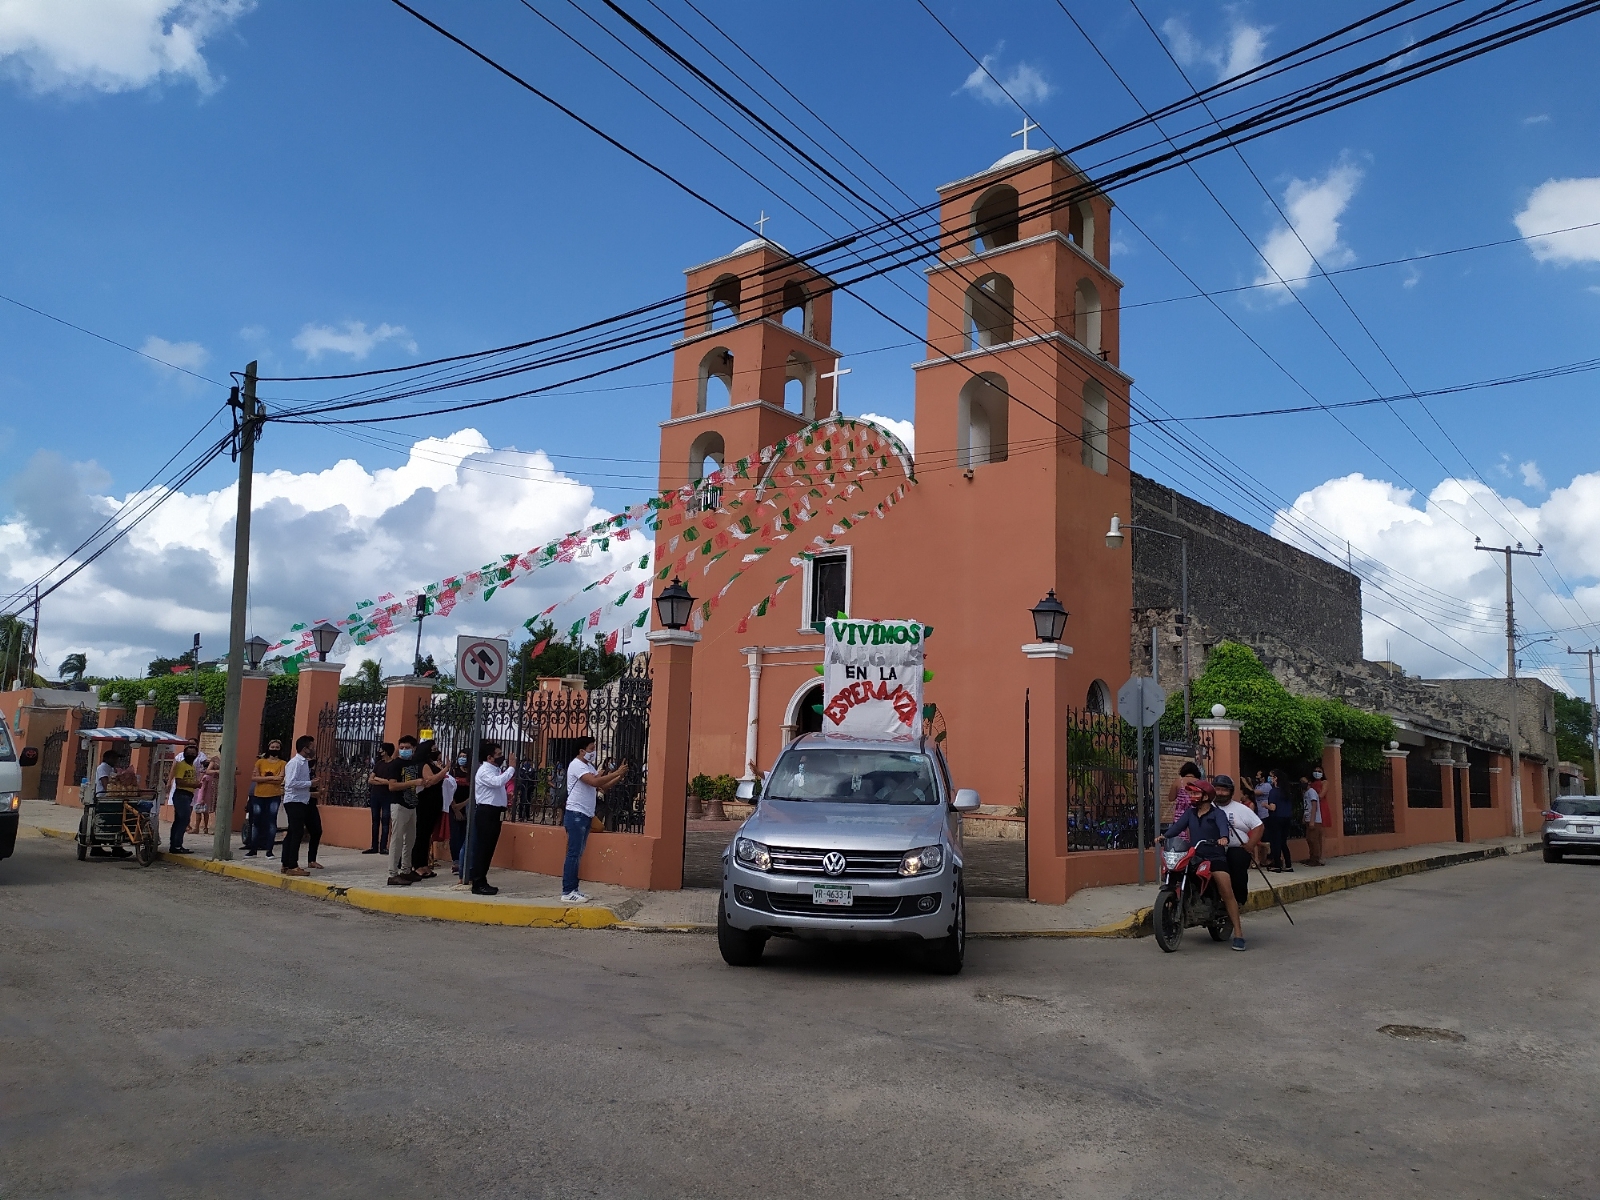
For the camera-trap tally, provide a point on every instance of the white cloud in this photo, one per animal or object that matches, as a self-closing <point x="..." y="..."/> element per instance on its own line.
<point x="1452" y="595"/>
<point x="189" y="355"/>
<point x="1541" y="119"/>
<point x="1561" y="204"/>
<point x="1245" y="47"/>
<point x="1531" y="475"/>
<point x="906" y="431"/>
<point x="991" y="82"/>
<point x="111" y="45"/>
<point x="1314" y="207"/>
<point x="322" y="541"/>
<point x="355" y="339"/>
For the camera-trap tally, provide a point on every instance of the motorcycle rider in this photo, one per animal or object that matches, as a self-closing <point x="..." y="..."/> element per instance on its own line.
<point x="1246" y="832"/>
<point x="1206" y="823"/>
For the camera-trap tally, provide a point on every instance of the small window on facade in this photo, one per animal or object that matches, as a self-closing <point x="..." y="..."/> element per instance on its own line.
<point x="830" y="575"/>
<point x="1096" y="428"/>
<point x="1099" y="698"/>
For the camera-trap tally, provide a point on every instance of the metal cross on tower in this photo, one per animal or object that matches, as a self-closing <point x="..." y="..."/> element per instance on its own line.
<point x="835" y="375"/>
<point x="761" y="224"/>
<point x="1027" y="128"/>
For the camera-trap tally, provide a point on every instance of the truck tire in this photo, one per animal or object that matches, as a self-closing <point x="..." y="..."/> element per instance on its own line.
<point x="1166" y="921"/>
<point x="946" y="955"/>
<point x="740" y="947"/>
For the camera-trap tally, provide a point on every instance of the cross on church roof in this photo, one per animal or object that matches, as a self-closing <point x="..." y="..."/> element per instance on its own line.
<point x="761" y="223"/>
<point x="1027" y="128"/>
<point x="835" y="374"/>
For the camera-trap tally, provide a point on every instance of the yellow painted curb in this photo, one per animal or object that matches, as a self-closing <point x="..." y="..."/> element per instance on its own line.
<point x="440" y="908"/>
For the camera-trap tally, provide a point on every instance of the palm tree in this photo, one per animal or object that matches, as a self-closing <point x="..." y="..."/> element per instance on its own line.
<point x="16" y="661"/>
<point x="72" y="668"/>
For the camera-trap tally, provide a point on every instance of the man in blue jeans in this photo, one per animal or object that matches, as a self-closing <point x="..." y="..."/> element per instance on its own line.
<point x="582" y="785"/>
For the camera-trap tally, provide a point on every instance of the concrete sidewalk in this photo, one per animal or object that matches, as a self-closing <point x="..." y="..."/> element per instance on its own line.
<point x="526" y="899"/>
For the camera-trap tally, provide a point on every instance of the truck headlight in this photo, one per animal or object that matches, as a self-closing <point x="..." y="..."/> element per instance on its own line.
<point x="924" y="861"/>
<point x="752" y="854"/>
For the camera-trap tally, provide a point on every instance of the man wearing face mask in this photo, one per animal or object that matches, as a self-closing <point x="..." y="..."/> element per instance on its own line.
<point x="583" y="785"/>
<point x="403" y="812"/>
<point x="305" y="822"/>
<point x="489" y="791"/>
<point x="457" y="791"/>
<point x="185" y="779"/>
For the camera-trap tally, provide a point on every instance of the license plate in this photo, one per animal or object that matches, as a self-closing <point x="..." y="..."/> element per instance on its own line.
<point x="1585" y="828"/>
<point x="824" y="896"/>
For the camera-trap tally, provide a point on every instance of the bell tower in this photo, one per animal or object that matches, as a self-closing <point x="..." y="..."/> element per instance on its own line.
<point x="754" y="364"/>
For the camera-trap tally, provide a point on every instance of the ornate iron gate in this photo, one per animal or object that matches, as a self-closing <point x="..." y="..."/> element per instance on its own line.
<point x="50" y="763"/>
<point x="277" y="717"/>
<point x="1102" y="784"/>
<point x="541" y="732"/>
<point x="348" y="736"/>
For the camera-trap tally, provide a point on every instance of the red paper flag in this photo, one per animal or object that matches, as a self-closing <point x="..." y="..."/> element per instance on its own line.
<point x="539" y="649"/>
<point x="594" y="618"/>
<point x="611" y="641"/>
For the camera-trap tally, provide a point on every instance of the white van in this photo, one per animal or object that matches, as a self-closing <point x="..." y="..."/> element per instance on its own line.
<point x="10" y="791"/>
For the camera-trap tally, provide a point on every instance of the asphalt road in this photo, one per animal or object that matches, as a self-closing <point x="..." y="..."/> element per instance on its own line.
<point x="166" y="1033"/>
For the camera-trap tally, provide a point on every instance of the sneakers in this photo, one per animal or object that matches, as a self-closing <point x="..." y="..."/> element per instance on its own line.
<point x="574" y="897"/>
<point x="249" y="853"/>
<point x="399" y="881"/>
<point x="1238" y="944"/>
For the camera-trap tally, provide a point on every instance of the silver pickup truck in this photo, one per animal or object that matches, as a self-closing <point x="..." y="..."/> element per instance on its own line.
<point x="10" y="791"/>
<point x="851" y="840"/>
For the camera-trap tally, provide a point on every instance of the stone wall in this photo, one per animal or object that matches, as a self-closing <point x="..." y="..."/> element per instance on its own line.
<point x="1242" y="582"/>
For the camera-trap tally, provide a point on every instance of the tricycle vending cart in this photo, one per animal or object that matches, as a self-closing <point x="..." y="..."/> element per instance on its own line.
<point x="123" y="817"/>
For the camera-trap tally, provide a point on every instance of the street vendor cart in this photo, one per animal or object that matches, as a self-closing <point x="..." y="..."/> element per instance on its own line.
<point x="123" y="817"/>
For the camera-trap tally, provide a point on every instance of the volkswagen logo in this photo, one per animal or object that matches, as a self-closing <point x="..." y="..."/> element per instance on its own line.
<point x="833" y="863"/>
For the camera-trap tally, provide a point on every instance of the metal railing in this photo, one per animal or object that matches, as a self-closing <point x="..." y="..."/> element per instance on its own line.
<point x="348" y="737"/>
<point x="1368" y="802"/>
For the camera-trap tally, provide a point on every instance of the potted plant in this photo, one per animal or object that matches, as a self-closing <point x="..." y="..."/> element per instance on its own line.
<point x="723" y="787"/>
<point x="700" y="789"/>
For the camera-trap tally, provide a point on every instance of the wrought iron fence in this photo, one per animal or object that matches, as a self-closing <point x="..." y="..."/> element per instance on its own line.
<point x="277" y="716"/>
<point x="1424" y="787"/>
<point x="50" y="763"/>
<point x="541" y="731"/>
<point x="1368" y="802"/>
<point x="348" y="737"/>
<point x="1102" y="775"/>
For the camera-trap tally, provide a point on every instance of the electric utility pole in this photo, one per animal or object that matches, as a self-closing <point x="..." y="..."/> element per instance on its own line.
<point x="248" y="417"/>
<point x="1511" y="677"/>
<point x="1594" y="716"/>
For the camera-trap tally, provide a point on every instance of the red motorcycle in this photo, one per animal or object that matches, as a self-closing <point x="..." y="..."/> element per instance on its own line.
<point x="1190" y="894"/>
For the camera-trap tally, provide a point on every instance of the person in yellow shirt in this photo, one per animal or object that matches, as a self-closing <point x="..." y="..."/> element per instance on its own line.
<point x="266" y="793"/>
<point x="185" y="779"/>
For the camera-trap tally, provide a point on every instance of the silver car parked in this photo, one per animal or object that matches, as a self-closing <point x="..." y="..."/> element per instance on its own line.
<point x="851" y="840"/>
<point x="1571" y="826"/>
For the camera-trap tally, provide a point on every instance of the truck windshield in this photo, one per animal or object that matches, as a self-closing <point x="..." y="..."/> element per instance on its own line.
<point x="7" y="753"/>
<point x="853" y="777"/>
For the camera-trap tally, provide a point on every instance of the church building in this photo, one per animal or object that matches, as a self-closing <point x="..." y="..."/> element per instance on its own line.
<point x="1021" y="459"/>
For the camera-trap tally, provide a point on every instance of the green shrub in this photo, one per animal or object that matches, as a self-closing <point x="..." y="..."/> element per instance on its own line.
<point x="725" y="787"/>
<point x="700" y="786"/>
<point x="213" y="685"/>
<point x="1365" y="734"/>
<point x="1278" y="726"/>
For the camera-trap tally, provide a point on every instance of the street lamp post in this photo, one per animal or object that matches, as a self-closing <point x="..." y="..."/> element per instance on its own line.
<point x="255" y="649"/>
<point x="1049" y="618"/>
<point x="1114" y="539"/>
<point x="323" y="637"/>
<point x="674" y="605"/>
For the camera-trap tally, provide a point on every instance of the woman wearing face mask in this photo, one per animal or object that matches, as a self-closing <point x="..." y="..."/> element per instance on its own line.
<point x="457" y="789"/>
<point x="266" y="793"/>
<point x="430" y="804"/>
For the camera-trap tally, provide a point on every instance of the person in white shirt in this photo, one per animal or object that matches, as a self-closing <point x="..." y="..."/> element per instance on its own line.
<point x="301" y="807"/>
<point x="1315" y="815"/>
<point x="110" y="767"/>
<point x="1244" y="832"/>
<point x="489" y="812"/>
<point x="583" y="786"/>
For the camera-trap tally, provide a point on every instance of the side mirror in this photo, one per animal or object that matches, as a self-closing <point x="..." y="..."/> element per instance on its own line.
<point x="30" y="756"/>
<point x="966" y="801"/>
<point x="746" y="789"/>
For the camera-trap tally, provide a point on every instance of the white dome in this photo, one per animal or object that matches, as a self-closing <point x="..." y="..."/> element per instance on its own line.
<point x="1017" y="156"/>
<point x="756" y="244"/>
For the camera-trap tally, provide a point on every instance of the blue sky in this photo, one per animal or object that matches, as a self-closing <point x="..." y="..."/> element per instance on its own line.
<point x="328" y="187"/>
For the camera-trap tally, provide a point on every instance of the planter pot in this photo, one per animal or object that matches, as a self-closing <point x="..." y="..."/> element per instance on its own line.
<point x="696" y="811"/>
<point x="714" y="811"/>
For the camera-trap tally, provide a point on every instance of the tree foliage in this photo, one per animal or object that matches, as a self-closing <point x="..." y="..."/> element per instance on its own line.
<point x="560" y="657"/>
<point x="1278" y="726"/>
<point x="1365" y="734"/>
<point x="366" y="684"/>
<point x="1573" y="742"/>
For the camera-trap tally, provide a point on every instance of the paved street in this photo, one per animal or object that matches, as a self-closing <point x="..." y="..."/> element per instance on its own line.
<point x="168" y="1033"/>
